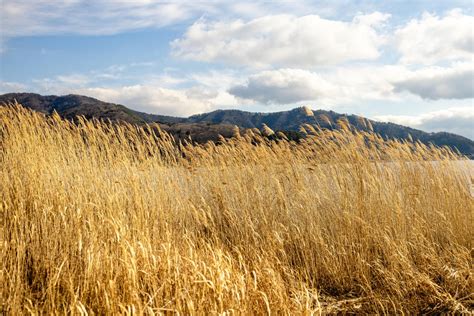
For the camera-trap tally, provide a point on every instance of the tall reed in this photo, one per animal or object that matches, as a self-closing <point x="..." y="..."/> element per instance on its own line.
<point x="114" y="218"/>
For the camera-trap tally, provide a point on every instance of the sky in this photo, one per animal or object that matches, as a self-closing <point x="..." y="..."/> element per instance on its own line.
<point x="408" y="62"/>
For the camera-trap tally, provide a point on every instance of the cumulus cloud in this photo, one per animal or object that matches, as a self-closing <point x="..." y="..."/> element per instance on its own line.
<point x="456" y="82"/>
<point x="284" y="40"/>
<point x="432" y="38"/>
<point x="348" y="84"/>
<point x="152" y="99"/>
<point x="339" y="85"/>
<point x="284" y="86"/>
<point x="159" y="100"/>
<point x="458" y="120"/>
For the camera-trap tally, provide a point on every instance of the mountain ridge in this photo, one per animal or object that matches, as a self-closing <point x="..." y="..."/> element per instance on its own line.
<point x="208" y="126"/>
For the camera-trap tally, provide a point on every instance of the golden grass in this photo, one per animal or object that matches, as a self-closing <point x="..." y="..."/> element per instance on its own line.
<point x="102" y="218"/>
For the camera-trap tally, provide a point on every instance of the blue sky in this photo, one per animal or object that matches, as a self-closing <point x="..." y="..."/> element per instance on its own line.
<point x="410" y="62"/>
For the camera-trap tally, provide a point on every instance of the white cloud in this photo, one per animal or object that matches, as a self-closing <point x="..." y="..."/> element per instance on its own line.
<point x="62" y="83"/>
<point x="221" y="79"/>
<point x="348" y="84"/>
<point x="432" y="38"/>
<point x="337" y="86"/>
<point x="455" y="82"/>
<point x="159" y="94"/>
<point x="284" y="40"/>
<point x="166" y="93"/>
<point x="459" y="120"/>
<point x="104" y="17"/>
<point x="284" y="86"/>
<point x="152" y="99"/>
<point x="149" y="98"/>
<point x="74" y="79"/>
<point x="7" y="87"/>
<point x="114" y="73"/>
<point x="43" y="17"/>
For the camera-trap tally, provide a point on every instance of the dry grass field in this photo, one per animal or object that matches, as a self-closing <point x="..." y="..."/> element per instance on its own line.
<point x="98" y="218"/>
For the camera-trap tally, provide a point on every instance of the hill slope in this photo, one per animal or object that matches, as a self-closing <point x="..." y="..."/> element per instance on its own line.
<point x="70" y="106"/>
<point x="208" y="126"/>
<point x="293" y="119"/>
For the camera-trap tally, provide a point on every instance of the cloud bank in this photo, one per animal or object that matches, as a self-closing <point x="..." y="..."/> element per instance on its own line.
<point x="351" y="83"/>
<point x="457" y="120"/>
<point x="283" y="40"/>
<point x="432" y="38"/>
<point x="456" y="82"/>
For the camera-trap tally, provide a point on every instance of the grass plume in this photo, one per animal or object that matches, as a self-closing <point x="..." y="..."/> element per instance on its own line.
<point x="105" y="218"/>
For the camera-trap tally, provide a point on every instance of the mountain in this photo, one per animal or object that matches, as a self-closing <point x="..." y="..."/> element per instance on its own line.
<point x="293" y="119"/>
<point x="209" y="126"/>
<point x="70" y="106"/>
